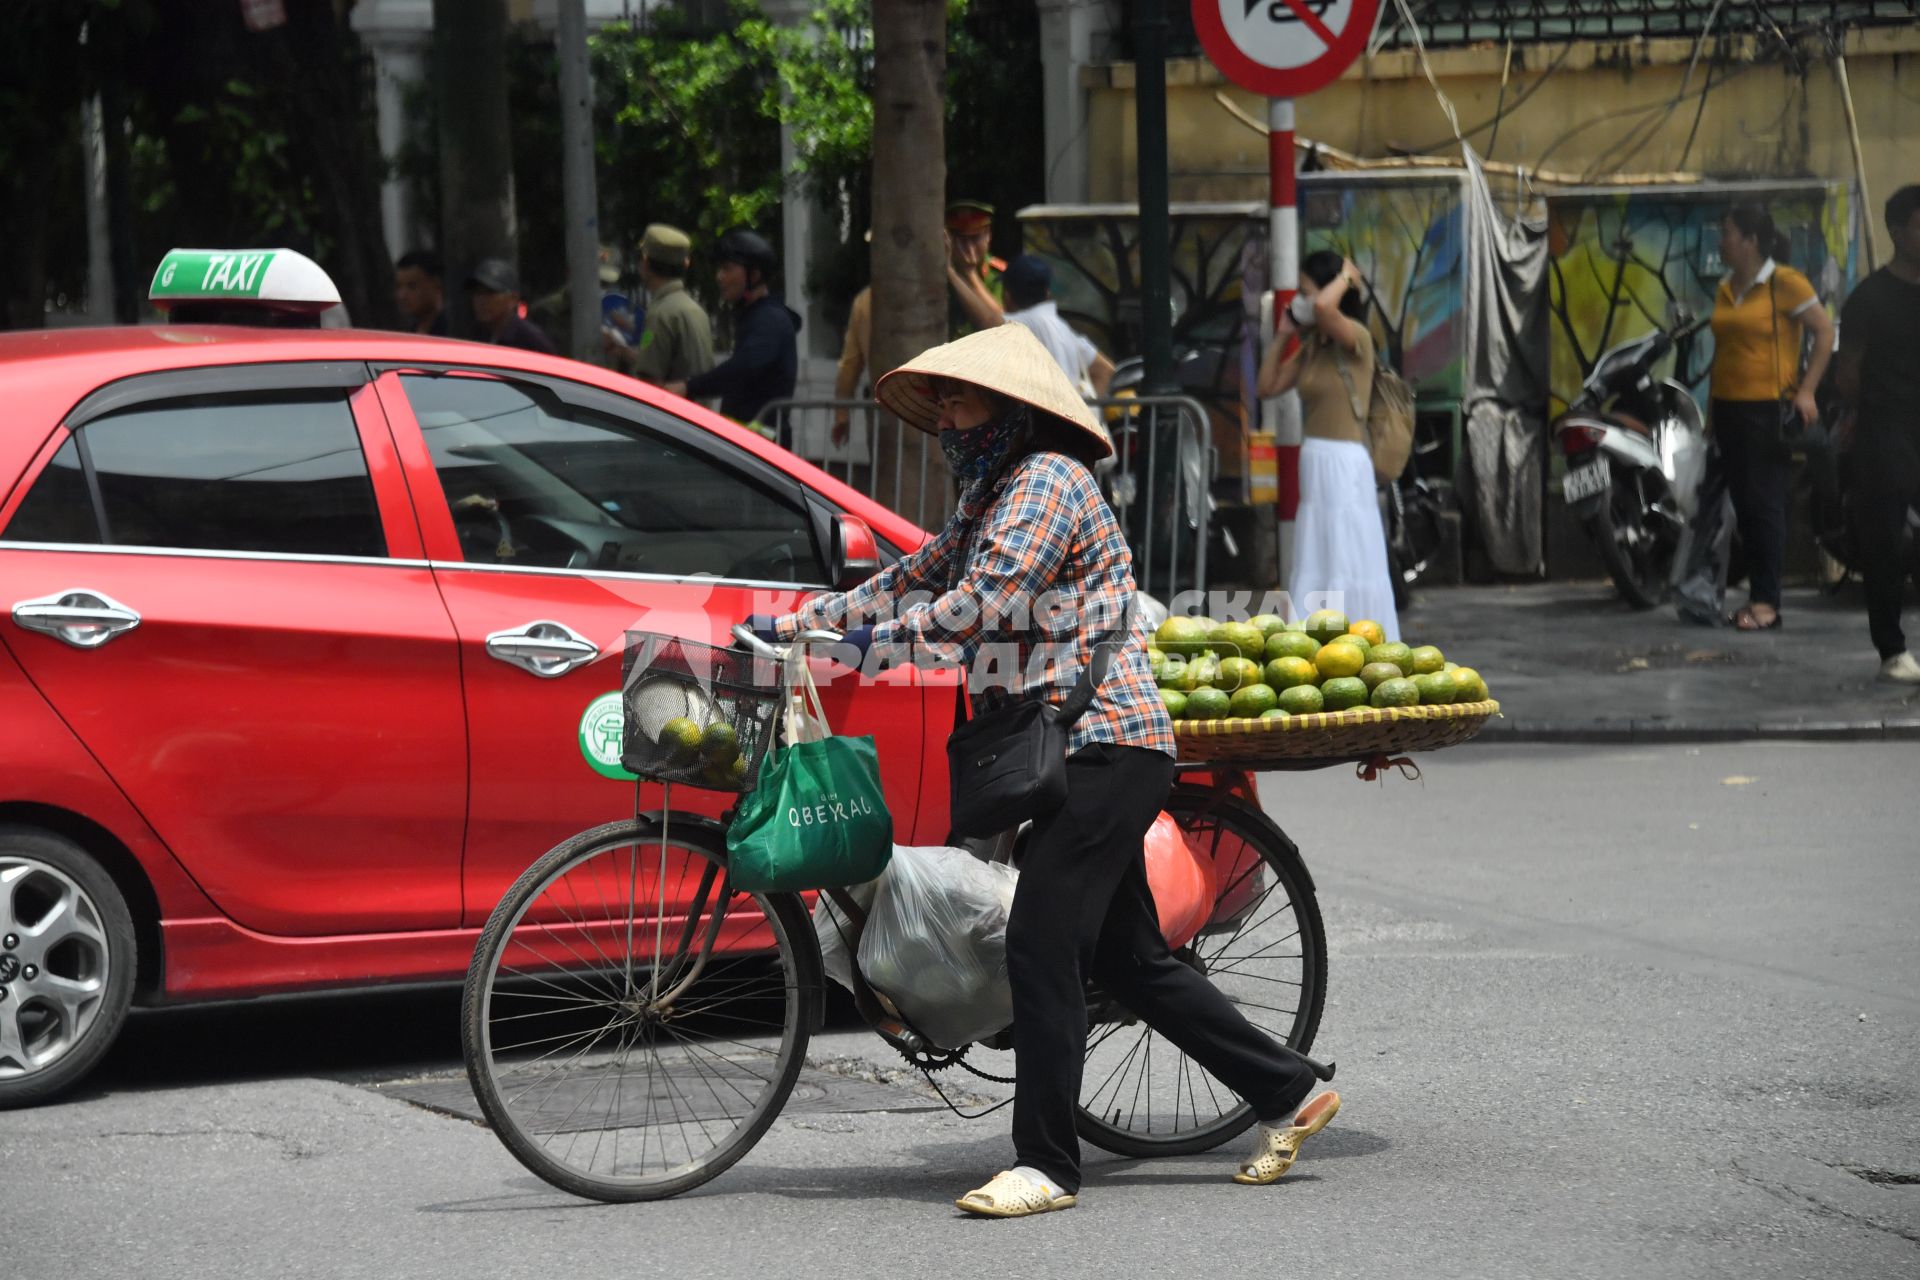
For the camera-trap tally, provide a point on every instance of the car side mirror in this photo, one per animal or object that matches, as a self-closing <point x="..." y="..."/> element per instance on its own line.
<point x="854" y="555"/>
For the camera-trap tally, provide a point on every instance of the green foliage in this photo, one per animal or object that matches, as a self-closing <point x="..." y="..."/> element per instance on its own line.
<point x="688" y="129"/>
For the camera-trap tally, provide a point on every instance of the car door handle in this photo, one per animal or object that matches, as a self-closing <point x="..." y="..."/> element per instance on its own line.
<point x="79" y="617"/>
<point x="547" y="649"/>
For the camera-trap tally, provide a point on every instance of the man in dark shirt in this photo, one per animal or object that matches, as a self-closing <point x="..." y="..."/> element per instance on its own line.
<point x="766" y="352"/>
<point x="494" y="289"/>
<point x="417" y="291"/>
<point x="1879" y="374"/>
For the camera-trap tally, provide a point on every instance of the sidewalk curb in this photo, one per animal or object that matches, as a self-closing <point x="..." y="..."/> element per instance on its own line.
<point x="1671" y="732"/>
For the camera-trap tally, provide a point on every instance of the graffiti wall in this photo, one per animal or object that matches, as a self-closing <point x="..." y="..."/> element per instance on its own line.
<point x="1620" y="259"/>
<point x="1094" y="252"/>
<point x="1405" y="234"/>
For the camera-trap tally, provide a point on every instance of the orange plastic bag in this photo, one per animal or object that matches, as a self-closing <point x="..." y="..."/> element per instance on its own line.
<point x="1182" y="882"/>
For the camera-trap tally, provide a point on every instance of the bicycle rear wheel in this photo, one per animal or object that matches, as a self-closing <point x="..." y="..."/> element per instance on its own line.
<point x="1264" y="947"/>
<point x="627" y="1034"/>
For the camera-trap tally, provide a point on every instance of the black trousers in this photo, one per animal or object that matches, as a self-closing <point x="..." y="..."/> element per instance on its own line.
<point x="1879" y="523"/>
<point x="1083" y="909"/>
<point x="1757" y="459"/>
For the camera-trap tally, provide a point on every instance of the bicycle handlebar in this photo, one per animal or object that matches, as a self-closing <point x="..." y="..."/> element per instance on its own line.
<point x="776" y="653"/>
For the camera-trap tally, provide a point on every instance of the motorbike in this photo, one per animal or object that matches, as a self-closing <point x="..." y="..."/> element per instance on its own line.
<point x="1413" y="509"/>
<point x="1636" y="451"/>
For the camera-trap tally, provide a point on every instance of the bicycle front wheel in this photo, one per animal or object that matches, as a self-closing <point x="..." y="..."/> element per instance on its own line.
<point x="631" y="1025"/>
<point x="1265" y="949"/>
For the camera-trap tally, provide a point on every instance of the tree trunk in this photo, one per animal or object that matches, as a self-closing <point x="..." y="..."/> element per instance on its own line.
<point x="476" y="147"/>
<point x="909" y="198"/>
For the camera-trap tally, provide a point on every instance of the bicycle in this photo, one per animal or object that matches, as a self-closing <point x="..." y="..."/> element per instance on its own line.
<point x="623" y="993"/>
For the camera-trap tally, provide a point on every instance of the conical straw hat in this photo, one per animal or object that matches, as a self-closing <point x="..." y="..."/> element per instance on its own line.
<point x="1007" y="359"/>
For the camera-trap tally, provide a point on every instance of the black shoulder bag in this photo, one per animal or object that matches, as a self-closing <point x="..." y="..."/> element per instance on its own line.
<point x="1793" y="432"/>
<point x="1010" y="764"/>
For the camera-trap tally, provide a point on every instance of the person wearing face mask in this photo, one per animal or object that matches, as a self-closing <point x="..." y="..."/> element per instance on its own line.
<point x="1034" y="563"/>
<point x="1339" y="543"/>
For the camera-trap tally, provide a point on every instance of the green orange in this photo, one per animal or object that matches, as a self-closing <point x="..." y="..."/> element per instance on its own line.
<point x="1249" y="703"/>
<point x="1343" y="692"/>
<point x="1291" y="644"/>
<point x="1376" y="673"/>
<point x="1324" y="624"/>
<point x="1284" y="673"/>
<point x="1182" y="635"/>
<point x="1396" y="653"/>
<point x="1301" y="700"/>
<point x="1396" y="693"/>
<point x="1208" y="704"/>
<point x="1237" y="673"/>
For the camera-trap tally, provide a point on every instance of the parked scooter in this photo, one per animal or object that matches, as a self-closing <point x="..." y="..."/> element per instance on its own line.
<point x="1636" y="451"/>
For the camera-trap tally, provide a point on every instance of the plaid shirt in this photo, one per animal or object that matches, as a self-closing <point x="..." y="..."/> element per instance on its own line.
<point x="1046" y="573"/>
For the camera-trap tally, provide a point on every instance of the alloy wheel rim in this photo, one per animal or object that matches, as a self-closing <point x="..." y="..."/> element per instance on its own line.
<point x="54" y="965"/>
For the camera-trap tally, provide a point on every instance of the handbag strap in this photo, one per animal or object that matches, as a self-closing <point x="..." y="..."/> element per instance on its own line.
<point x="1773" y="308"/>
<point x="1353" y="397"/>
<point x="802" y="695"/>
<point x="1076" y="703"/>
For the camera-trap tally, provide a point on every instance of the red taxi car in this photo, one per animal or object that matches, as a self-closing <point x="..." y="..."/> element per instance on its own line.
<point x="307" y="641"/>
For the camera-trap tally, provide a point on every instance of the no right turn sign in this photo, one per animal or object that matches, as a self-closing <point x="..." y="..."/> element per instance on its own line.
<point x="1284" y="48"/>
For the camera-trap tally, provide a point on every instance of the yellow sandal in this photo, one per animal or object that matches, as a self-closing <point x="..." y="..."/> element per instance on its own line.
<point x="1012" y="1195"/>
<point x="1281" y="1147"/>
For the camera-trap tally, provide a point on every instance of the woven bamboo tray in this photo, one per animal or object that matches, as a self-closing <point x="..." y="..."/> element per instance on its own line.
<point x="1357" y="734"/>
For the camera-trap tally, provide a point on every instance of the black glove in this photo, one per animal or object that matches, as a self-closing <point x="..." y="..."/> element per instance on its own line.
<point x="761" y="624"/>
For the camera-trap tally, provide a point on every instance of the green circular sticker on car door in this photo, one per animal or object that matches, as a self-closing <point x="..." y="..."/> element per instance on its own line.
<point x="602" y="726"/>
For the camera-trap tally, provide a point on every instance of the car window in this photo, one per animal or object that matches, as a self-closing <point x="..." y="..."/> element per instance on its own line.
<point x="57" y="508"/>
<point x="537" y="483"/>
<point x="273" y="473"/>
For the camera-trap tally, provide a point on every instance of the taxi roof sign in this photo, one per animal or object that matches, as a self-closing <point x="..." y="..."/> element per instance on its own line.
<point x="278" y="279"/>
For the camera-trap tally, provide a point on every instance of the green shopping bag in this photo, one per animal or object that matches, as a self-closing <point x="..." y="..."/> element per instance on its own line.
<point x="817" y="818"/>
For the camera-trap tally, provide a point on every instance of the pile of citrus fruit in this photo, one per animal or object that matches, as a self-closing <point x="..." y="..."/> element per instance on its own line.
<point x="1267" y="668"/>
<point x="715" y="749"/>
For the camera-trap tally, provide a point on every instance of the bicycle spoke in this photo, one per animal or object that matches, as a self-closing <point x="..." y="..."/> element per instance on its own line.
<point x="593" y="1086"/>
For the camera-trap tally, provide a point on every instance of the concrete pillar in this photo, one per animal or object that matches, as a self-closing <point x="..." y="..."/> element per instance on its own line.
<point x="398" y="34"/>
<point x="1070" y="30"/>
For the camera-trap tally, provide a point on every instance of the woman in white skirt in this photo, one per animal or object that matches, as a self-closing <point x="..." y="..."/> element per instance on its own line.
<point x="1339" y="543"/>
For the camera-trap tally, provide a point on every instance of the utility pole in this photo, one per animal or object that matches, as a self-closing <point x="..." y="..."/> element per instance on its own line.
<point x="1150" y="118"/>
<point x="476" y="153"/>
<point x="577" y="184"/>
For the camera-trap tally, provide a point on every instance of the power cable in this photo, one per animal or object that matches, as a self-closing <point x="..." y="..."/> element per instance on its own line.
<point x="1499" y="104"/>
<point x="1614" y="158"/>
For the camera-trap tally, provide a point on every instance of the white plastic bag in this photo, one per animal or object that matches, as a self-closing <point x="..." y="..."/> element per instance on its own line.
<point x="936" y="943"/>
<point x="836" y="931"/>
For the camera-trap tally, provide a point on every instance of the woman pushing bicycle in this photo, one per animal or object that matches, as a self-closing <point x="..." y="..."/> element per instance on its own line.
<point x="1033" y="562"/>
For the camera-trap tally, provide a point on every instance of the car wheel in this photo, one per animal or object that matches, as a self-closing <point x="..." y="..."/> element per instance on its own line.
<point x="66" y="964"/>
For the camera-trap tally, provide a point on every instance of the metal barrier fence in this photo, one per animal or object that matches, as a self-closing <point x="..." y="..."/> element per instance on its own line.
<point x="1159" y="481"/>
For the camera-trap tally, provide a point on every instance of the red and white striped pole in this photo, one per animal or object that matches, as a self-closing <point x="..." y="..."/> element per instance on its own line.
<point x="1283" y="261"/>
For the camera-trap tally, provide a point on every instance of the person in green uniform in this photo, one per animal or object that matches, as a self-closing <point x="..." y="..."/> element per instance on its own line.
<point x="975" y="298"/>
<point x="677" y="342"/>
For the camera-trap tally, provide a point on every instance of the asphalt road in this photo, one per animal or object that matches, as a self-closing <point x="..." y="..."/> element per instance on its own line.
<point x="1645" y="1011"/>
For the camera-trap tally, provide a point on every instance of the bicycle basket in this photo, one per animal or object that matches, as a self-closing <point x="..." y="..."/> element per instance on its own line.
<point x="695" y="713"/>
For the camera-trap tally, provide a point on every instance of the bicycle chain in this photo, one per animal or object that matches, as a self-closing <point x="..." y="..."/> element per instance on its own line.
<point x="940" y="1059"/>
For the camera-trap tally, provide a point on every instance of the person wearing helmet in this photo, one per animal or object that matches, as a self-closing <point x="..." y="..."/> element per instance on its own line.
<point x="766" y="353"/>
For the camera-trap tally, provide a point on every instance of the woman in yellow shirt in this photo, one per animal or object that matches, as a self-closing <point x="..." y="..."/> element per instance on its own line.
<point x="1760" y="315"/>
